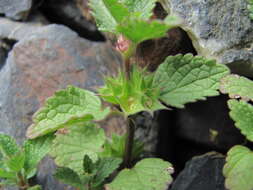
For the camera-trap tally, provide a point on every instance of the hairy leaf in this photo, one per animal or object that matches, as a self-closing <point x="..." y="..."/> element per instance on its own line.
<point x="35" y="150"/>
<point x="108" y="13"/>
<point x="138" y="30"/>
<point x="16" y="162"/>
<point x="242" y="113"/>
<point x="143" y="7"/>
<point x="148" y="174"/>
<point x="134" y="95"/>
<point x="65" y="108"/>
<point x="187" y="78"/>
<point x="105" y="167"/>
<point x="70" y="177"/>
<point x="238" y="169"/>
<point x="237" y="87"/>
<point x="69" y="148"/>
<point x="8" y="146"/>
<point x="116" y="147"/>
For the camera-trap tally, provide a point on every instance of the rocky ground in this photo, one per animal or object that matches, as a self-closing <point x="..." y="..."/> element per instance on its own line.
<point x="46" y="45"/>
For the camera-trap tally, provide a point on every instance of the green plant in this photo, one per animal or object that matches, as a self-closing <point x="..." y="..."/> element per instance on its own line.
<point x="87" y="158"/>
<point x="19" y="164"/>
<point x="238" y="169"/>
<point x="250" y="8"/>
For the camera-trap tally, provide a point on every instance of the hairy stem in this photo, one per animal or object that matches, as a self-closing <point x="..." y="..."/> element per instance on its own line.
<point x="23" y="184"/>
<point x="129" y="143"/>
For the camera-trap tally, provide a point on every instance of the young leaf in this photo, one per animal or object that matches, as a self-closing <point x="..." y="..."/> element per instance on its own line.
<point x="35" y="150"/>
<point x="143" y="7"/>
<point x="69" y="148"/>
<point x="187" y="78"/>
<point x="65" y="108"/>
<point x="70" y="177"/>
<point x="237" y="87"/>
<point x="134" y="95"/>
<point x="238" y="169"/>
<point x="148" y="174"/>
<point x="108" y="13"/>
<point x="36" y="187"/>
<point x="242" y="113"/>
<point x="105" y="167"/>
<point x="8" y="146"/>
<point x="138" y="30"/>
<point x="7" y="174"/>
<point x="16" y="162"/>
<point x="116" y="147"/>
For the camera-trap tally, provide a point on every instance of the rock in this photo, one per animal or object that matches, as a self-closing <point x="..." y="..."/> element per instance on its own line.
<point x="208" y="123"/>
<point x="15" y="9"/>
<point x="202" y="172"/>
<point x="219" y="29"/>
<point x="67" y="12"/>
<point x="46" y="59"/>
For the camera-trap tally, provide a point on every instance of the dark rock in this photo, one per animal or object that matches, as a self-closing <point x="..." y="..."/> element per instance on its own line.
<point x="47" y="59"/>
<point x="67" y="12"/>
<point x="219" y="29"/>
<point x="208" y="123"/>
<point x="202" y="173"/>
<point x="15" y="9"/>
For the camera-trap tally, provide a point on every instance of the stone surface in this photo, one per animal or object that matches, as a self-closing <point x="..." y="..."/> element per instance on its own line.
<point x="201" y="173"/>
<point x="72" y="14"/>
<point x="219" y="29"/>
<point x="15" y="9"/>
<point x="208" y="123"/>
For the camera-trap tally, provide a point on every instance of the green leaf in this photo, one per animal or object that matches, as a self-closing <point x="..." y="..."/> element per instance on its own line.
<point x="143" y="7"/>
<point x="116" y="147"/>
<point x="69" y="148"/>
<point x="9" y="182"/>
<point x="88" y="165"/>
<point x="70" y="177"/>
<point x="108" y="13"/>
<point x="138" y="30"/>
<point x="105" y="167"/>
<point x="187" y="78"/>
<point x="16" y="162"/>
<point x="35" y="150"/>
<point x="250" y="8"/>
<point x="66" y="107"/>
<point x="134" y="95"/>
<point x="238" y="169"/>
<point x="36" y="187"/>
<point x="7" y="174"/>
<point x="237" y="87"/>
<point x="148" y="174"/>
<point x="242" y="113"/>
<point x="8" y="146"/>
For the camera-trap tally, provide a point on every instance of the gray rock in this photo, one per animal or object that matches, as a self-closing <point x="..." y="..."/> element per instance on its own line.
<point x="219" y="29"/>
<point x="202" y="172"/>
<point x="15" y="9"/>
<point x="47" y="59"/>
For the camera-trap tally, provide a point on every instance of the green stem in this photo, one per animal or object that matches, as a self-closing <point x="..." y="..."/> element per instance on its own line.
<point x="129" y="143"/>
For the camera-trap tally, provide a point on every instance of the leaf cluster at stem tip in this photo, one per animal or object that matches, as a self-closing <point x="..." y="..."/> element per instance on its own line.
<point x="131" y="18"/>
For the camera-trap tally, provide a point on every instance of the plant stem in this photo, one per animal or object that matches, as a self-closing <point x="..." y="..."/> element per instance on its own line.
<point x="23" y="185"/>
<point x="129" y="142"/>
